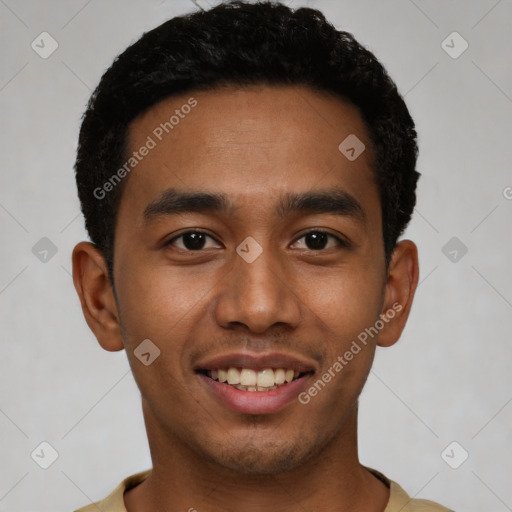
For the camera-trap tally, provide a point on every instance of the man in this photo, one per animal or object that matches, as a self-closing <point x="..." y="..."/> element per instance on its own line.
<point x="245" y="174"/>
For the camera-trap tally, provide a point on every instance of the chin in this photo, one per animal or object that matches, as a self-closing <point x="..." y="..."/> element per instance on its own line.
<point x="264" y="459"/>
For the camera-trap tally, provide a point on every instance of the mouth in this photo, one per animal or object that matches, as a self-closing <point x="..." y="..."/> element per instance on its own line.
<point x="247" y="379"/>
<point x="252" y="383"/>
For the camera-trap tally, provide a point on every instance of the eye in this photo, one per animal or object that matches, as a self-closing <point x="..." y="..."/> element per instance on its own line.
<point x="319" y="240"/>
<point x="192" y="241"/>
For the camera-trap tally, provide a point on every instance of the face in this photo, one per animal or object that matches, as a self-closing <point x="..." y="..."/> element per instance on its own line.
<point x="246" y="239"/>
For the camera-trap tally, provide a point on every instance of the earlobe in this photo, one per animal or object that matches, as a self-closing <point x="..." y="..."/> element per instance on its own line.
<point x="401" y="284"/>
<point x="90" y="277"/>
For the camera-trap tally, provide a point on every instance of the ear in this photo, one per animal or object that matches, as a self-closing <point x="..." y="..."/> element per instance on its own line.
<point x="92" y="284"/>
<point x="401" y="285"/>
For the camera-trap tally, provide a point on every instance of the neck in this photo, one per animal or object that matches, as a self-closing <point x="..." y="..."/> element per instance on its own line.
<point x="331" y="480"/>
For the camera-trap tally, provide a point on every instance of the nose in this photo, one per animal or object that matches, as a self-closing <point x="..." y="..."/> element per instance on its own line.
<point x="258" y="295"/>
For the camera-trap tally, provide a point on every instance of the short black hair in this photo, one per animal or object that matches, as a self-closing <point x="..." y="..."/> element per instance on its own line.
<point x="243" y="44"/>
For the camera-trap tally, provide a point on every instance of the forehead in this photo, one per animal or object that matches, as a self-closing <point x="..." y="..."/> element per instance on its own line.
<point x="252" y="144"/>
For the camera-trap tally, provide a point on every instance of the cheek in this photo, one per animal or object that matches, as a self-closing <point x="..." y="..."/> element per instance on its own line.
<point x="165" y="306"/>
<point x="151" y="309"/>
<point x="158" y="303"/>
<point x="346" y="304"/>
<point x="344" y="309"/>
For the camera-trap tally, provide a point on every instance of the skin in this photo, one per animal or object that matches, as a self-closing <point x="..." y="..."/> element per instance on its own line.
<point x="254" y="145"/>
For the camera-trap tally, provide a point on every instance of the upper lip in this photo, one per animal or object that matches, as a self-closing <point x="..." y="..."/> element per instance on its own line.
<point x="256" y="361"/>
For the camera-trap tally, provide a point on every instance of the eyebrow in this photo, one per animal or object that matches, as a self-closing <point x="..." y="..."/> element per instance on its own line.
<point x="331" y="201"/>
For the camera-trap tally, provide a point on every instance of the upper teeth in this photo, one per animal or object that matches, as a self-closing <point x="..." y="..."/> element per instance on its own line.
<point x="246" y="378"/>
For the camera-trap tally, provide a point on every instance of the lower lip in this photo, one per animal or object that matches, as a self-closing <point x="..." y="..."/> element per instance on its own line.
<point x="256" y="402"/>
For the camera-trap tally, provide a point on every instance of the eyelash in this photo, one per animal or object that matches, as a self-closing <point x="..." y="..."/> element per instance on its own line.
<point x="342" y="243"/>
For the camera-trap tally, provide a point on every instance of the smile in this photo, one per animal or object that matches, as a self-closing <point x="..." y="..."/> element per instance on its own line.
<point x="247" y="379"/>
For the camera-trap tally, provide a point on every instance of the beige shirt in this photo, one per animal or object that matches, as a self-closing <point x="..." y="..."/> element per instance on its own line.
<point x="399" y="501"/>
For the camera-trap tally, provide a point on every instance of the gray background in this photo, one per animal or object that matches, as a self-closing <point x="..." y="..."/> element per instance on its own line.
<point x="447" y="380"/>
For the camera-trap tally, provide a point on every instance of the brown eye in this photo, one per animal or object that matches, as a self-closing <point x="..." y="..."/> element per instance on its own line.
<point x="319" y="240"/>
<point x="191" y="241"/>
